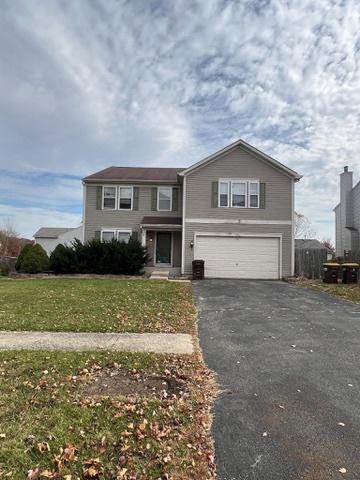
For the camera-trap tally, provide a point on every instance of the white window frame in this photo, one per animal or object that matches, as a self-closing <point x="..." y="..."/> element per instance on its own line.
<point x="116" y="232"/>
<point x="107" y="231"/>
<point x="123" y="230"/>
<point x="244" y="182"/>
<point x="255" y="182"/>
<point x="103" y="197"/>
<point x="158" y="199"/>
<point x="230" y="182"/>
<point x="223" y="180"/>
<point x="132" y="197"/>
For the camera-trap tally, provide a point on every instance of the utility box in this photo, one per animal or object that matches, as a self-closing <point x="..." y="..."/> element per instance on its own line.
<point x="198" y="267"/>
<point x="331" y="272"/>
<point x="350" y="272"/>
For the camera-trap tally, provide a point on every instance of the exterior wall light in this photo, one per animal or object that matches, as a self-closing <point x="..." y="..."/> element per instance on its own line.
<point x="191" y="244"/>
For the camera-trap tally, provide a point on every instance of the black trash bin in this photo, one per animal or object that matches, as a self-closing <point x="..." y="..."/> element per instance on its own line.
<point x="198" y="269"/>
<point x="350" y="272"/>
<point x="331" y="272"/>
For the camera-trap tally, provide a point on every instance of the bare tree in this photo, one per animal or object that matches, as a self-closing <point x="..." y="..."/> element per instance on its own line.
<point x="303" y="227"/>
<point x="7" y="232"/>
<point x="327" y="242"/>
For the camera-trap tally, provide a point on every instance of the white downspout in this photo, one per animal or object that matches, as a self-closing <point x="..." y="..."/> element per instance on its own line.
<point x="183" y="228"/>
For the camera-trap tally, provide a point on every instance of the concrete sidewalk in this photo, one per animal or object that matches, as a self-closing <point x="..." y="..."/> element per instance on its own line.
<point x="179" y="343"/>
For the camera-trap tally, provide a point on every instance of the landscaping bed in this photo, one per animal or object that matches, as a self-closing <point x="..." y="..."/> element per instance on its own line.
<point x="348" y="291"/>
<point x="100" y="415"/>
<point x="96" y="305"/>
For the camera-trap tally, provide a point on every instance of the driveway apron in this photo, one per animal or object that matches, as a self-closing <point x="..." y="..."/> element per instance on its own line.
<point x="288" y="366"/>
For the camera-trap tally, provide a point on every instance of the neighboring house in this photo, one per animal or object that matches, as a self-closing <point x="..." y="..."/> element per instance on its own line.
<point x="311" y="244"/>
<point x="347" y="215"/>
<point x="233" y="209"/>
<point x="49" y="237"/>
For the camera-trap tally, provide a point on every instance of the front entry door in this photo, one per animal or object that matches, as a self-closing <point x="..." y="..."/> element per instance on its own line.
<point x="163" y="248"/>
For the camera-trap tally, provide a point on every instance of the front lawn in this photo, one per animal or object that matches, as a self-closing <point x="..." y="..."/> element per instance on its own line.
<point x="96" y="305"/>
<point x="347" y="291"/>
<point x="104" y="416"/>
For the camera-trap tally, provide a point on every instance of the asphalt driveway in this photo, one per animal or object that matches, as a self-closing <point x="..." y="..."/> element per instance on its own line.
<point x="288" y="365"/>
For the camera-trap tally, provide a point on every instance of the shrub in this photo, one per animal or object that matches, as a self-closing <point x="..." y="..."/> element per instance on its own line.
<point x="32" y="259"/>
<point x="117" y="258"/>
<point x="4" y="270"/>
<point x="63" y="259"/>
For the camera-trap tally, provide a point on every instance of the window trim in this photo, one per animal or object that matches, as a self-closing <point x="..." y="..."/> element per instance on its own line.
<point x="132" y="197"/>
<point x="103" y="197"/>
<point x="244" y="182"/>
<point x="222" y="180"/>
<point x="230" y="182"/>
<point x="158" y="199"/>
<point x="255" y="182"/>
<point x="107" y="231"/>
<point x="116" y="231"/>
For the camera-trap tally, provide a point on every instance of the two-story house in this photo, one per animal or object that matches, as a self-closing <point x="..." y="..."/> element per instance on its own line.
<point x="233" y="209"/>
<point x="347" y="215"/>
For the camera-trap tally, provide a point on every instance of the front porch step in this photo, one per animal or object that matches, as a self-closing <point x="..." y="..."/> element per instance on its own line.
<point x="160" y="275"/>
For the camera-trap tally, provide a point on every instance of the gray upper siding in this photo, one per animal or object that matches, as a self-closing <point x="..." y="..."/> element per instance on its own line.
<point x="101" y="219"/>
<point x="239" y="164"/>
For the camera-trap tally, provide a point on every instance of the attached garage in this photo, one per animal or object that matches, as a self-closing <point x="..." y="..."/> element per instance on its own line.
<point x="239" y="256"/>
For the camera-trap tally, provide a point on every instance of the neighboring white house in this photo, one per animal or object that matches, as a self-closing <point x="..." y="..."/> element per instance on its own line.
<point x="49" y="237"/>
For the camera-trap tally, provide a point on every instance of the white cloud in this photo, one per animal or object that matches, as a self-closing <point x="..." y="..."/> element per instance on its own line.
<point x="85" y="85"/>
<point x="27" y="221"/>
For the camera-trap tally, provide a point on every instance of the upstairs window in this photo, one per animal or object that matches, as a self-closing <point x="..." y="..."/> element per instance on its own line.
<point x="224" y="194"/>
<point x="238" y="194"/>
<point x="164" y="198"/>
<point x="254" y="194"/>
<point x="125" y="198"/>
<point x="109" y="198"/>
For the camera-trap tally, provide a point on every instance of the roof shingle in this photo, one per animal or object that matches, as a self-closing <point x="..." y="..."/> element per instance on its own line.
<point x="136" y="173"/>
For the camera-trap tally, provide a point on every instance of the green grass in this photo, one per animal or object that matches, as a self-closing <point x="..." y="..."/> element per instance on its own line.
<point x="89" y="305"/>
<point x="347" y="291"/>
<point x="44" y="407"/>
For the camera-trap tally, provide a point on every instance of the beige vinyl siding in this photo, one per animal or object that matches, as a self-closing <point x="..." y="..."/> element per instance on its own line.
<point x="238" y="164"/>
<point x="98" y="219"/>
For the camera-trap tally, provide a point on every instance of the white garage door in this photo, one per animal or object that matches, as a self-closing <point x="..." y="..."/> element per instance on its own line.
<point x="239" y="257"/>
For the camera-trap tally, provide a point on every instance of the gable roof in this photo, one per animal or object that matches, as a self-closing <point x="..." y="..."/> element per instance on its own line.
<point x="50" y="232"/>
<point x="151" y="174"/>
<point x="246" y="146"/>
<point x="309" y="244"/>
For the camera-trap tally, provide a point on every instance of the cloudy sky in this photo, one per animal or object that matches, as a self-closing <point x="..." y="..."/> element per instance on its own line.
<point x="90" y="83"/>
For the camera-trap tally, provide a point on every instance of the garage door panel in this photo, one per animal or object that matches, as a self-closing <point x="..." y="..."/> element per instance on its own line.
<point x="239" y="257"/>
